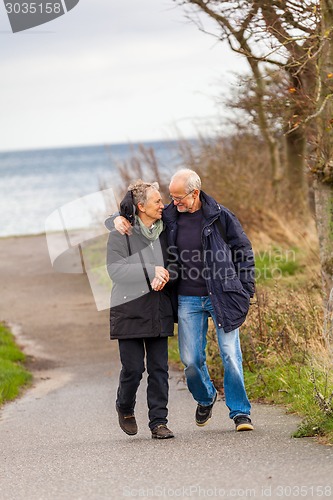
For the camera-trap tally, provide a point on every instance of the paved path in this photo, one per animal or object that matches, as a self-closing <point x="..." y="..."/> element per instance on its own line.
<point x="61" y="439"/>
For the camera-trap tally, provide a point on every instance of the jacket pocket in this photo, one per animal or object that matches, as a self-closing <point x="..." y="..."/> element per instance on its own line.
<point x="235" y="299"/>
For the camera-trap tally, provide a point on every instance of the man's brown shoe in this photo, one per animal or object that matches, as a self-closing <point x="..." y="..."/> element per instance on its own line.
<point x="161" y="432"/>
<point x="127" y="423"/>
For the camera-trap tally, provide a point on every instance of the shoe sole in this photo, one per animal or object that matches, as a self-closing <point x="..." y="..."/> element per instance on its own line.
<point x="160" y="437"/>
<point x="127" y="432"/>
<point x="204" y="423"/>
<point x="244" y="427"/>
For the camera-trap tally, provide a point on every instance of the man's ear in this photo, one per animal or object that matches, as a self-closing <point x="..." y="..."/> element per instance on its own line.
<point x="196" y="193"/>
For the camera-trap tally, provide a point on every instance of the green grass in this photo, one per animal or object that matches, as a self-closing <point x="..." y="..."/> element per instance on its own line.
<point x="13" y="375"/>
<point x="302" y="389"/>
<point x="276" y="263"/>
<point x="94" y="254"/>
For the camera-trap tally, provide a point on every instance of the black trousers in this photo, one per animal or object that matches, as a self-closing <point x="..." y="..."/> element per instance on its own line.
<point x="132" y="356"/>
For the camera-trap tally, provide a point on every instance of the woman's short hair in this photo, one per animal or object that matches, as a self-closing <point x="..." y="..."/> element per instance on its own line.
<point x="140" y="189"/>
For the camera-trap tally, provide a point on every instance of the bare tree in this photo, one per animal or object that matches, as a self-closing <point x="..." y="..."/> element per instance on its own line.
<point x="323" y="161"/>
<point x="296" y="36"/>
<point x="243" y="101"/>
<point x="280" y="34"/>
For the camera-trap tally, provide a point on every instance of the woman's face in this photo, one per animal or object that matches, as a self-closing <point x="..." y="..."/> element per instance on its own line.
<point x="153" y="207"/>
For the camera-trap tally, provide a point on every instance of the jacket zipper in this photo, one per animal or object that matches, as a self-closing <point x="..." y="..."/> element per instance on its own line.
<point x="205" y="263"/>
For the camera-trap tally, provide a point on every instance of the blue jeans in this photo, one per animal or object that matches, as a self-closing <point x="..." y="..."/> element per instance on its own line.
<point x="193" y="313"/>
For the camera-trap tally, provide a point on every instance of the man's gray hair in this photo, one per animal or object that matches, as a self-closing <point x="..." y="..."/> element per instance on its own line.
<point x="192" y="180"/>
<point x="139" y="190"/>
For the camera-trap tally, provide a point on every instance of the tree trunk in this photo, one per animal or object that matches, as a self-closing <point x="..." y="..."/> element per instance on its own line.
<point x="324" y="220"/>
<point x="295" y="149"/>
<point x="277" y="171"/>
<point x="324" y="160"/>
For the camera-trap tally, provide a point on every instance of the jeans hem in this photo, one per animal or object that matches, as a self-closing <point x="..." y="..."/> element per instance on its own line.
<point x="155" y="424"/>
<point x="240" y="414"/>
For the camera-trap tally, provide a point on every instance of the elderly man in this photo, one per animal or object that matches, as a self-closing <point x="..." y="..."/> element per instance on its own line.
<point x="216" y="278"/>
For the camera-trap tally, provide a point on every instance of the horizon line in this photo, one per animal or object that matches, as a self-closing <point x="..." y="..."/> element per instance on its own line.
<point x="105" y="144"/>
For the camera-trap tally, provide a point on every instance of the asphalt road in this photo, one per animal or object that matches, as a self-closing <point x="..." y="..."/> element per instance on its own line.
<point x="61" y="440"/>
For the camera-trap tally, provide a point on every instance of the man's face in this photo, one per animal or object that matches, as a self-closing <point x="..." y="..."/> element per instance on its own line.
<point x="183" y="201"/>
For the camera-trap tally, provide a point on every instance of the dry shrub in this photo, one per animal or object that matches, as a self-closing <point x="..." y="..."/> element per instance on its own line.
<point x="143" y="165"/>
<point x="282" y="326"/>
<point x="235" y="171"/>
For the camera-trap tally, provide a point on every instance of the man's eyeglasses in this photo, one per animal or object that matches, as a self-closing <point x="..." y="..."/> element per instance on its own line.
<point x="174" y="198"/>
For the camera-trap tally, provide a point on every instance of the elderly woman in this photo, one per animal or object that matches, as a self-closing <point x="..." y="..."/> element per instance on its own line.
<point x="141" y="316"/>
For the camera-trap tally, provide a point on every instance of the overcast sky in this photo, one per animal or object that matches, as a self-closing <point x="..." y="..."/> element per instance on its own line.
<point x="109" y="71"/>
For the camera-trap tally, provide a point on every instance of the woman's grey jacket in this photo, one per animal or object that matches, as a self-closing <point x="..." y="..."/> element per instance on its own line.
<point x="136" y="310"/>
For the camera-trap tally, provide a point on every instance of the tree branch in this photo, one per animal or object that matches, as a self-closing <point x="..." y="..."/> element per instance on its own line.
<point x="311" y="117"/>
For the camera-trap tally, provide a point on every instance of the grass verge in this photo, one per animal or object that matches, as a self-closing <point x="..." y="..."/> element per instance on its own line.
<point x="13" y="375"/>
<point x="302" y="389"/>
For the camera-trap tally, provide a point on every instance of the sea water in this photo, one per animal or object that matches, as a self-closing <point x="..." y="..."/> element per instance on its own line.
<point x="36" y="183"/>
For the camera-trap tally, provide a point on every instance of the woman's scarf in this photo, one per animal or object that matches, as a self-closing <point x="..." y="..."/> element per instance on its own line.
<point x="151" y="233"/>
